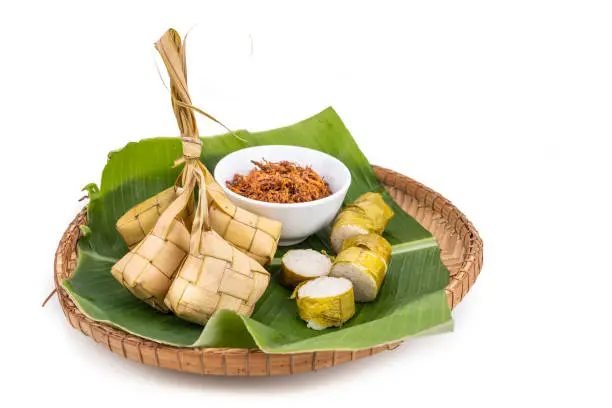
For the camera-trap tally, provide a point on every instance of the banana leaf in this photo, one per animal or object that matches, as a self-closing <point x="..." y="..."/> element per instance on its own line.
<point x="412" y="301"/>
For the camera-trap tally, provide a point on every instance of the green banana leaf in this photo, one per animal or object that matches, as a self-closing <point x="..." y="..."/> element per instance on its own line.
<point x="412" y="301"/>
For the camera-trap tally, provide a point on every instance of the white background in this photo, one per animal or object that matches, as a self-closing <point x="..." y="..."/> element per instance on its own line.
<point x="504" y="107"/>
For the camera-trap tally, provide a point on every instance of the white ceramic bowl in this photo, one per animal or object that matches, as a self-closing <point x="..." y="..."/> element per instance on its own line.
<point x="300" y="220"/>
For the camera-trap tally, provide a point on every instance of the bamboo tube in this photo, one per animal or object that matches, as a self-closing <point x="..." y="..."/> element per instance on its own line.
<point x="377" y="210"/>
<point x="325" y="302"/>
<point x="367" y="214"/>
<point x="372" y="242"/>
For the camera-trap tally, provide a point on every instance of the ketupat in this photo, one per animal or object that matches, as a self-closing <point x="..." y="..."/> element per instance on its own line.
<point x="254" y="235"/>
<point x="215" y="274"/>
<point x="148" y="269"/>
<point x="135" y="224"/>
<point x="367" y="214"/>
<point x="217" y="277"/>
<point x="210" y="273"/>
<point x="257" y="236"/>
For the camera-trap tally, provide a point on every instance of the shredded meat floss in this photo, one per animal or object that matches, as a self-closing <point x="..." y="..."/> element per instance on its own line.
<point x="280" y="182"/>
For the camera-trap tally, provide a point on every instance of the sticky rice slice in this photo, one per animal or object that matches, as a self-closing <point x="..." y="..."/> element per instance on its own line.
<point x="300" y="265"/>
<point x="364" y="268"/>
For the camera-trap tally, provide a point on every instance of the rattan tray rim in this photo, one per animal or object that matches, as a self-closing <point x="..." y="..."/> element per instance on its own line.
<point x="461" y="250"/>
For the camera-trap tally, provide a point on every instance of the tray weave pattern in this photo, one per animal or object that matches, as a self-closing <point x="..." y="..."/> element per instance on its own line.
<point x="461" y="251"/>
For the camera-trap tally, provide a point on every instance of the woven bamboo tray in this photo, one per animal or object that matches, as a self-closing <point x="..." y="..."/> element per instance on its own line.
<point x="461" y="251"/>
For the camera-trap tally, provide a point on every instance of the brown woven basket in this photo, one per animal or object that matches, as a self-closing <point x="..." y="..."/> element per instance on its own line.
<point x="461" y="251"/>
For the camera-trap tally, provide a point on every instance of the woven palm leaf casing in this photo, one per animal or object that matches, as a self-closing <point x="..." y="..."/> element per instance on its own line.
<point x="215" y="275"/>
<point x="197" y="274"/>
<point x="219" y="277"/>
<point x="148" y="269"/>
<point x="135" y="224"/>
<point x="254" y="235"/>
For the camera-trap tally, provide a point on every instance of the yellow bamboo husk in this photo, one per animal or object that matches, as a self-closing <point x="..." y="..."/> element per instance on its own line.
<point x="325" y="302"/>
<point x="367" y="214"/>
<point x="377" y="210"/>
<point x="364" y="255"/>
<point x="149" y="268"/>
<point x="215" y="275"/>
<point x="364" y="268"/>
<point x="349" y="222"/>
<point x="372" y="242"/>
